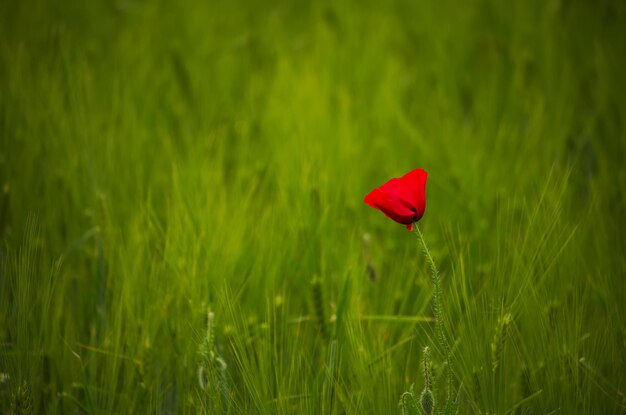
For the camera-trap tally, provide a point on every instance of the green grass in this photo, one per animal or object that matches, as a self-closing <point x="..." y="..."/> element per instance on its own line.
<point x="159" y="161"/>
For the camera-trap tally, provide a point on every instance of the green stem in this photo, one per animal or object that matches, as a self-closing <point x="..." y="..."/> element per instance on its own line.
<point x="438" y="309"/>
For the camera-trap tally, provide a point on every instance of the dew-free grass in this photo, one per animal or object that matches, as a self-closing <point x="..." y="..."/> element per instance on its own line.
<point x="162" y="161"/>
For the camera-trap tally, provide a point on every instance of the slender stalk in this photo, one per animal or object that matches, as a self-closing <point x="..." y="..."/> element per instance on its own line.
<point x="438" y="311"/>
<point x="437" y="306"/>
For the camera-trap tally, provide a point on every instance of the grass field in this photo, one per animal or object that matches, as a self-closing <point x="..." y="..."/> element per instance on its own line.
<point x="168" y="166"/>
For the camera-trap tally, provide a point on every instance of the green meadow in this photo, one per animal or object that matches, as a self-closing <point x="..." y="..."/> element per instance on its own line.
<point x="182" y="226"/>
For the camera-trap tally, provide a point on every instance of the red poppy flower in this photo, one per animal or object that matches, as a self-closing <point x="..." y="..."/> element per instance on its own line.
<point x="401" y="199"/>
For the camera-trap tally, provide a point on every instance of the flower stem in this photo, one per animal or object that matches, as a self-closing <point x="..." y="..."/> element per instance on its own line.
<point x="437" y="308"/>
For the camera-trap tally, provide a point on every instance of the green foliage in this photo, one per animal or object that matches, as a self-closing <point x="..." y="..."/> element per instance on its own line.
<point x="212" y="373"/>
<point x="161" y="159"/>
<point x="21" y="401"/>
<point x="499" y="340"/>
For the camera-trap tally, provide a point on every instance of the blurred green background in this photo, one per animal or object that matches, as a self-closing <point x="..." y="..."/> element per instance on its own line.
<point x="160" y="160"/>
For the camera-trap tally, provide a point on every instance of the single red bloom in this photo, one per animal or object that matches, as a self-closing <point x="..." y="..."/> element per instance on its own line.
<point x="401" y="199"/>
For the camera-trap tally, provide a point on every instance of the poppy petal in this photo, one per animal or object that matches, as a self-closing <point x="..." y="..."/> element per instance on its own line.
<point x="412" y="189"/>
<point x="401" y="199"/>
<point x="393" y="207"/>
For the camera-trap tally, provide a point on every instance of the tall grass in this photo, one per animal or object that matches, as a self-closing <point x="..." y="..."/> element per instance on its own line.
<point x="160" y="160"/>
